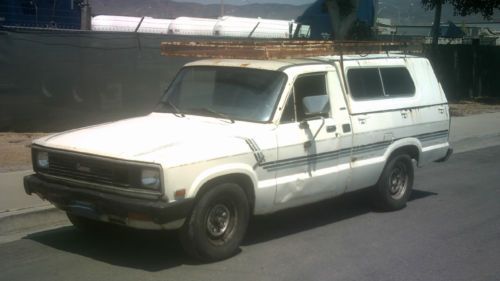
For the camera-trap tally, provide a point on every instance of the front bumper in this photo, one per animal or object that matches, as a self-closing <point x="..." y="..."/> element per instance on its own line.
<point x="101" y="205"/>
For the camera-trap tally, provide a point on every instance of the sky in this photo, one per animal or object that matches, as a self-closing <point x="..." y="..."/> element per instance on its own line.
<point x="244" y="2"/>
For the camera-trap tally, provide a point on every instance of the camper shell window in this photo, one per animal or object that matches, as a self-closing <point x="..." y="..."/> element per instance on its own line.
<point x="377" y="83"/>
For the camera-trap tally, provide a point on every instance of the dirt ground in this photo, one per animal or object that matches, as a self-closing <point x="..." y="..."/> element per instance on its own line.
<point x="15" y="152"/>
<point x="468" y="107"/>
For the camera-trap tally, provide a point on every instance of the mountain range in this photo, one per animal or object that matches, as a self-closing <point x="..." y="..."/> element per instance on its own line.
<point x="406" y="12"/>
<point x="172" y="9"/>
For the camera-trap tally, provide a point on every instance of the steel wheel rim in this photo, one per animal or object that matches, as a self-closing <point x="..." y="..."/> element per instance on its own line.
<point x="218" y="220"/>
<point x="398" y="181"/>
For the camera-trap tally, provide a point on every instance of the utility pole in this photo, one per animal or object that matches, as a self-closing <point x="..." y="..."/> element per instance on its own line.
<point x="86" y="17"/>
<point x="436" y="27"/>
<point x="221" y="8"/>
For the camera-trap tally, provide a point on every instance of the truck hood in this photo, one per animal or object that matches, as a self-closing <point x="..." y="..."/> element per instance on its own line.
<point x="142" y="138"/>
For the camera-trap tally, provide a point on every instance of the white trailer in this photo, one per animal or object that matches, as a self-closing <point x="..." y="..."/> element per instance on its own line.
<point x="130" y="24"/>
<point x="225" y="26"/>
<point x="192" y="26"/>
<point x="115" y="23"/>
<point x="254" y="27"/>
<point x="152" y="25"/>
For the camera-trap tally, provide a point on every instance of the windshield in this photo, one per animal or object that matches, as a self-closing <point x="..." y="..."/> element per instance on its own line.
<point x="226" y="92"/>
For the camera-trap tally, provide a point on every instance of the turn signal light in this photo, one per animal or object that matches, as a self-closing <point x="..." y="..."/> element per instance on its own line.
<point x="180" y="194"/>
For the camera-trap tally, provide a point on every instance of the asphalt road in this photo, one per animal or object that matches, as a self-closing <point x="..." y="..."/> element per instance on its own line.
<point x="449" y="231"/>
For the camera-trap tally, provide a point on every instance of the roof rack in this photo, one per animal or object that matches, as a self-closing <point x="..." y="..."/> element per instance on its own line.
<point x="285" y="49"/>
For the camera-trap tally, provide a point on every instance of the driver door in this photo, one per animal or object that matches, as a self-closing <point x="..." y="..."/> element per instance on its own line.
<point x="307" y="146"/>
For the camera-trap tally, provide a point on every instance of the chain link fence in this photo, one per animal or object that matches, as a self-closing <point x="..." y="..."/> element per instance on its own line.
<point x="54" y="80"/>
<point x="467" y="71"/>
<point x="51" y="80"/>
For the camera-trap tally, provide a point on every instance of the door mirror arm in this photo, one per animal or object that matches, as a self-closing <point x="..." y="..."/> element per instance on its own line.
<point x="305" y="125"/>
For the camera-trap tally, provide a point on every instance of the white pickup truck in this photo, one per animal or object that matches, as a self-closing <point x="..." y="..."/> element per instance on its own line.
<point x="235" y="138"/>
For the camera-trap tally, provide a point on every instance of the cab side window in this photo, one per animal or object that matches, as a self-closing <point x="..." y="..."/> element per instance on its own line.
<point x="304" y="86"/>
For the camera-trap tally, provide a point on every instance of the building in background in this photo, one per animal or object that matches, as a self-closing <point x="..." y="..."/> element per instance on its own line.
<point x="486" y="33"/>
<point x="318" y="18"/>
<point x="41" y="13"/>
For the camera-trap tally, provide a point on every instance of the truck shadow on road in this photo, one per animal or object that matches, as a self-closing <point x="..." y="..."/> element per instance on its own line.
<point x="280" y="224"/>
<point x="155" y="251"/>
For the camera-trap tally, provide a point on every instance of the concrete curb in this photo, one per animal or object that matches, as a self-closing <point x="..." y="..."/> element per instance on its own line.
<point x="24" y="220"/>
<point x="23" y="211"/>
<point x="474" y="143"/>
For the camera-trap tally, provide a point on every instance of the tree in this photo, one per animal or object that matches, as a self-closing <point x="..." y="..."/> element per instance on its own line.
<point x="343" y="15"/>
<point x="351" y="19"/>
<point x="462" y="8"/>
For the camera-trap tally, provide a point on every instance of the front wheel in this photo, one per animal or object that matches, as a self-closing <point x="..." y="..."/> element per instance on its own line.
<point x="217" y="224"/>
<point x="395" y="184"/>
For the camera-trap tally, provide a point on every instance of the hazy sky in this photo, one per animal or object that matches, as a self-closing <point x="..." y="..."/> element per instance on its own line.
<point x="243" y="2"/>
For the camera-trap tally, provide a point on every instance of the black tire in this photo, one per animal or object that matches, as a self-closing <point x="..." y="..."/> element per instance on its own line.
<point x="217" y="223"/>
<point x="394" y="187"/>
<point x="85" y="224"/>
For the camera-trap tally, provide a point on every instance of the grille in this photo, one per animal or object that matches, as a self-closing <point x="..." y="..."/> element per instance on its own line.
<point x="99" y="171"/>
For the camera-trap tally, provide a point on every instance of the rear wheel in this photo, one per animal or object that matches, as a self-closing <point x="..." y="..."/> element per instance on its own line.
<point x="217" y="224"/>
<point x="395" y="184"/>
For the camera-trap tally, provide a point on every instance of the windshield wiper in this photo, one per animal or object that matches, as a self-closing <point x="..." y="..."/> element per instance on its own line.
<point x="177" y="112"/>
<point x="213" y="113"/>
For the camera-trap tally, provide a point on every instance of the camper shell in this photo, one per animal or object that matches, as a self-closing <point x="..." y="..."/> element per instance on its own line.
<point x="233" y="138"/>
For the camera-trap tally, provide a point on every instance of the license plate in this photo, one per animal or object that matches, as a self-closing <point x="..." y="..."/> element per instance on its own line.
<point x="83" y="209"/>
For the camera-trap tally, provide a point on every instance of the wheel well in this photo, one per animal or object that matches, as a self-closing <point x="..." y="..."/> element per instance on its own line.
<point x="411" y="150"/>
<point x="240" y="179"/>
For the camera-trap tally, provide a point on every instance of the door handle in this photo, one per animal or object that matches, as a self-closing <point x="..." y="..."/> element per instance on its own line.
<point x="362" y="120"/>
<point x="441" y="109"/>
<point x="331" y="129"/>
<point x="404" y="115"/>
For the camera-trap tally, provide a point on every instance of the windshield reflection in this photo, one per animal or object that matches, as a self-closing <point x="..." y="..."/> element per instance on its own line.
<point x="225" y="92"/>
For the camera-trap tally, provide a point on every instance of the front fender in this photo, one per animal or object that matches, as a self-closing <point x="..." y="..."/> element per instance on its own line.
<point x="221" y="171"/>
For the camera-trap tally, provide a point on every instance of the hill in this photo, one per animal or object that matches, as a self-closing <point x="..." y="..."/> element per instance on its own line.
<point x="172" y="9"/>
<point x="406" y="12"/>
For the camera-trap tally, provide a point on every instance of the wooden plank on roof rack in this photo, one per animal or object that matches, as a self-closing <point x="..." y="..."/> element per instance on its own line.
<point x="275" y="49"/>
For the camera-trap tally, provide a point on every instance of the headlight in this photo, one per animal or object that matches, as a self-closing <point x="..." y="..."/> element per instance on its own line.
<point x="150" y="178"/>
<point x="42" y="159"/>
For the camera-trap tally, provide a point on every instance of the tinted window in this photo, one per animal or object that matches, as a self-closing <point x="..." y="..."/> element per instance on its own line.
<point x="28" y="7"/>
<point x="364" y="83"/>
<point x="397" y="81"/>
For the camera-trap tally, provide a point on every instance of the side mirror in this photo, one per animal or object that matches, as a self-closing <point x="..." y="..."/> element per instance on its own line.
<point x="316" y="105"/>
